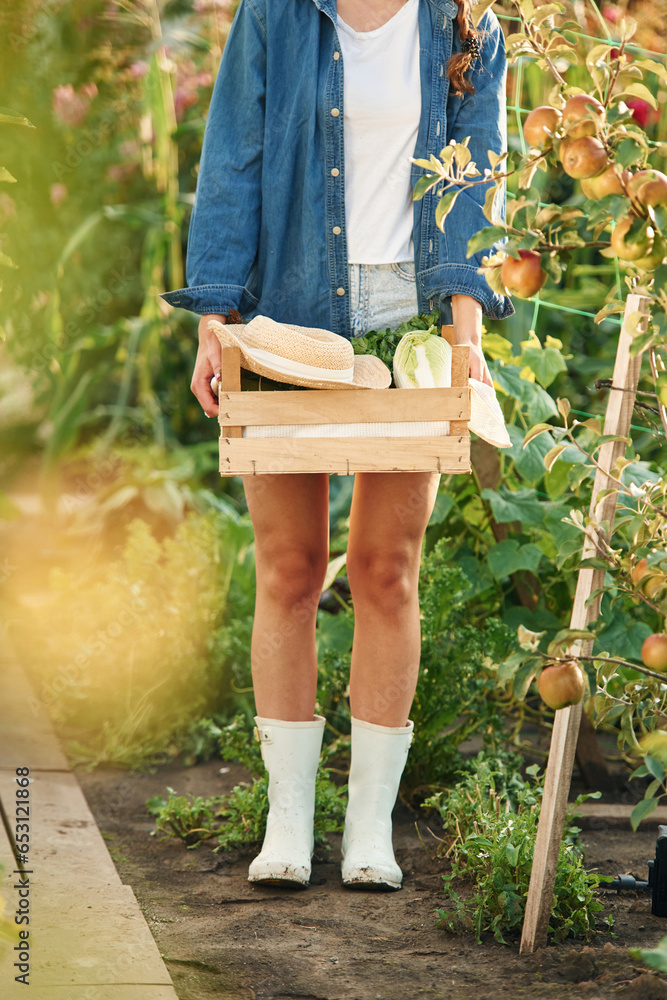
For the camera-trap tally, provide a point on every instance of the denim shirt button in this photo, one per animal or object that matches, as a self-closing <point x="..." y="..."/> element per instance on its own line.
<point x="336" y="230"/>
<point x="340" y="291"/>
<point x="336" y="56"/>
<point x="335" y="112"/>
<point x="335" y="172"/>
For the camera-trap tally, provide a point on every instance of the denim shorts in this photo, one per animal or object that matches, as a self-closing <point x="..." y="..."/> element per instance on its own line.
<point x="381" y="296"/>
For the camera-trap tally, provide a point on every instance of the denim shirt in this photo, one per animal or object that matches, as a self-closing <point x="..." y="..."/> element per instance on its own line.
<point x="267" y="233"/>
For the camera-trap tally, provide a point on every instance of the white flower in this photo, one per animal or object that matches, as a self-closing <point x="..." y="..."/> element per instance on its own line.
<point x="636" y="491"/>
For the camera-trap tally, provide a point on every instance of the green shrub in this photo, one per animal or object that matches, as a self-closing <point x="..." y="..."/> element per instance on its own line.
<point x="490" y="821"/>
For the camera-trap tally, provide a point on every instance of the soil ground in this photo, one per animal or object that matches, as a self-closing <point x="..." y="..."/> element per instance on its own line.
<point x="222" y="937"/>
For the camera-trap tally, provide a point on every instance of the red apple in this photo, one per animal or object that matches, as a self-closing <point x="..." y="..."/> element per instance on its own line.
<point x="639" y="570"/>
<point x="523" y="277"/>
<point x="607" y="182"/>
<point x="583" y="157"/>
<point x="633" y="247"/>
<point x="654" y="651"/>
<point x="649" y="187"/>
<point x="540" y="125"/>
<point x="654" y="257"/>
<point x="583" y="115"/>
<point x="561" y="684"/>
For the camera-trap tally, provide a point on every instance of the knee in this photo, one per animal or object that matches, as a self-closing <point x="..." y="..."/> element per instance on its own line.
<point x="388" y="579"/>
<point x="292" y="578"/>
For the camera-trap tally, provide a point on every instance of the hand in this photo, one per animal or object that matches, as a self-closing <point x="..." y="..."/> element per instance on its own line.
<point x="478" y="366"/>
<point x="467" y="320"/>
<point x="207" y="364"/>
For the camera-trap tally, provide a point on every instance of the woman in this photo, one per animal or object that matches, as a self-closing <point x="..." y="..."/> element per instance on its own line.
<point x="293" y="223"/>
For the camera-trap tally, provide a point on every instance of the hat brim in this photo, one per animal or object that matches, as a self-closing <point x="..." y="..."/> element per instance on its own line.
<point x="486" y="417"/>
<point x="369" y="371"/>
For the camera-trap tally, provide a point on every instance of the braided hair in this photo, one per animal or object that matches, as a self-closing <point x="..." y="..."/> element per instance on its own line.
<point x="461" y="62"/>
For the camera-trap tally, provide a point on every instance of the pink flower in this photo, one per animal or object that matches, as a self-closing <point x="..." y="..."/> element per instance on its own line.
<point x="185" y="93"/>
<point x="58" y="194"/>
<point x="612" y="14"/>
<point x="70" y="107"/>
<point x="139" y="69"/>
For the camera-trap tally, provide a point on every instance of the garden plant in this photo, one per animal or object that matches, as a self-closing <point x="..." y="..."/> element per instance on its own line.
<point x="142" y="554"/>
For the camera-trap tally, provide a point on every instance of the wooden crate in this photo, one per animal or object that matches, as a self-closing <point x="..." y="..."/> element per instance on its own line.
<point x="239" y="456"/>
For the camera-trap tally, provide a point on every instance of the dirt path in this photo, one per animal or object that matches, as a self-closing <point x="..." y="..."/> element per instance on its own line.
<point x="223" y="938"/>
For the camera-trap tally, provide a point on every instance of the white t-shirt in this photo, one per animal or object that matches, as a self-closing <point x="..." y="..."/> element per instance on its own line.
<point x="382" y="108"/>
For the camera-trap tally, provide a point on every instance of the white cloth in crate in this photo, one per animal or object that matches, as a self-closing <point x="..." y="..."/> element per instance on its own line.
<point x="486" y="420"/>
<point x="406" y="428"/>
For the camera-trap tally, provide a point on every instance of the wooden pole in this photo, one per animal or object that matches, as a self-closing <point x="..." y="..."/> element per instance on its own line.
<point x="566" y="722"/>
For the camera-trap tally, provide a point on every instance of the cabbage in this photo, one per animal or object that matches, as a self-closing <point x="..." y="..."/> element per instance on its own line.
<point x="422" y="361"/>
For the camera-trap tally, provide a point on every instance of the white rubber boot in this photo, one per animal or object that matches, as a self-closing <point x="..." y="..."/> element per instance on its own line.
<point x="291" y="753"/>
<point x="379" y="754"/>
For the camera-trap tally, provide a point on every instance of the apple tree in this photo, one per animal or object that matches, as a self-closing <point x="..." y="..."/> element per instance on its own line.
<point x="589" y="133"/>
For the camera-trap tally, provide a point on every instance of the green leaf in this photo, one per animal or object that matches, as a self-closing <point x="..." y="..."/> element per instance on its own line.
<point x="508" y="669"/>
<point x="628" y="152"/>
<point x="656" y="957"/>
<point x="655" y="767"/>
<point x="495" y="346"/>
<point x="641" y="343"/>
<point x="489" y="201"/>
<point x="524" y="678"/>
<point x="443" y="505"/>
<point x="9" y="117"/>
<point x="512" y="854"/>
<point x="547" y="363"/>
<point x="485" y="239"/>
<point x="520" y="505"/>
<point x="508" y="378"/>
<point x="534" y="431"/>
<point x="6" y="177"/>
<point x="609" y="309"/>
<point x="651" y="66"/>
<point x="445" y="205"/>
<point x="479" y="10"/>
<point x="641" y="91"/>
<point x="563" y="407"/>
<point x="423" y="185"/>
<point x="642" y="810"/>
<point x="552" y="455"/>
<point x="509" y="557"/>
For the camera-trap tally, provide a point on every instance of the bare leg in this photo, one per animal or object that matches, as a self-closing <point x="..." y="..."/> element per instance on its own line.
<point x="290" y="515"/>
<point x="389" y="515"/>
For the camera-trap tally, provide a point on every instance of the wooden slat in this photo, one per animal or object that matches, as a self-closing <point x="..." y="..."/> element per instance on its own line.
<point x="592" y="815"/>
<point x="230" y="382"/>
<point x="460" y="375"/>
<point x="566" y="724"/>
<point x="341" y="406"/>
<point x="255" y="456"/>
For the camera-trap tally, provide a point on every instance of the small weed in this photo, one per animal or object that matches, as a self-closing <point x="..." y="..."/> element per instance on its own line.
<point x="239" y="817"/>
<point x="490" y="822"/>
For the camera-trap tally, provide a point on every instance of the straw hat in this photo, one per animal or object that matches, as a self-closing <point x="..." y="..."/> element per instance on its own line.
<point x="486" y="417"/>
<point x="299" y="355"/>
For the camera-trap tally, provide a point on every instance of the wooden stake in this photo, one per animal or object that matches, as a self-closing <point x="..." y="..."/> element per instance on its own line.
<point x="566" y="723"/>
